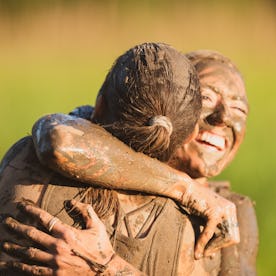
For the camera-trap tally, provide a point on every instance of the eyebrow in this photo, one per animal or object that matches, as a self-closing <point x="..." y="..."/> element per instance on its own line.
<point x="239" y="98"/>
<point x="213" y="88"/>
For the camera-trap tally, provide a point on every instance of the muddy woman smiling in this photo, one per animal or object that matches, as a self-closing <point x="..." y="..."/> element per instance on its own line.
<point x="218" y="141"/>
<point x="223" y="118"/>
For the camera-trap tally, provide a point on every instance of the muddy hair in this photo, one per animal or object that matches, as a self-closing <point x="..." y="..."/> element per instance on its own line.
<point x="147" y="81"/>
<point x="202" y="59"/>
<point x="152" y="103"/>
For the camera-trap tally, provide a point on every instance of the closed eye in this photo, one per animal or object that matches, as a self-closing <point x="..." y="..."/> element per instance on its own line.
<point x="206" y="98"/>
<point x="209" y="97"/>
<point x="239" y="109"/>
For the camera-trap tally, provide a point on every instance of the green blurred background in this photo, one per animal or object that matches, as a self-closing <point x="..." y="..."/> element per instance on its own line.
<point x="54" y="56"/>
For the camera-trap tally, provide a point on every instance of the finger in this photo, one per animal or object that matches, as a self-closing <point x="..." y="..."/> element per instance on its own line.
<point x="3" y="266"/>
<point x="234" y="231"/>
<point x="43" y="217"/>
<point x="78" y="209"/>
<point x="90" y="217"/>
<point x="30" y="232"/>
<point x="214" y="245"/>
<point x="204" y="238"/>
<point x="228" y="235"/>
<point x="27" y="253"/>
<point x="229" y="226"/>
<point x="27" y="269"/>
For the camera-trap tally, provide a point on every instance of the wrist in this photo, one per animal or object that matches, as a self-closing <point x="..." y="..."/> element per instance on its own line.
<point x="118" y="266"/>
<point x="180" y="191"/>
<point x="112" y="265"/>
<point x="97" y="268"/>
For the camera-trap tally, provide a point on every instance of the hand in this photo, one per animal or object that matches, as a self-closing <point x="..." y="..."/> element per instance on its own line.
<point x="69" y="252"/>
<point x="221" y="229"/>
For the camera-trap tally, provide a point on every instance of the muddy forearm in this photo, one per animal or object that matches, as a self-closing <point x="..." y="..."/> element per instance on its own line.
<point x="81" y="150"/>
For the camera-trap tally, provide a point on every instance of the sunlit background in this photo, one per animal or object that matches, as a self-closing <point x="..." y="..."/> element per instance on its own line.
<point x="54" y="56"/>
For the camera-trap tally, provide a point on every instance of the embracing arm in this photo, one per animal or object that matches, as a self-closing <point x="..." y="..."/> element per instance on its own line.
<point x="84" y="151"/>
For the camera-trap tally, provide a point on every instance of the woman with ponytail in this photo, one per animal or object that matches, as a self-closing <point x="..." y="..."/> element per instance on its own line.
<point x="143" y="100"/>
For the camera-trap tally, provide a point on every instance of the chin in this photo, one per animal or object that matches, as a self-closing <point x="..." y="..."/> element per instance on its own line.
<point x="214" y="171"/>
<point x="211" y="170"/>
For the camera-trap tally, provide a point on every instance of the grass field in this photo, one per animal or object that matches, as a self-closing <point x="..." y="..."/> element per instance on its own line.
<point x="55" y="57"/>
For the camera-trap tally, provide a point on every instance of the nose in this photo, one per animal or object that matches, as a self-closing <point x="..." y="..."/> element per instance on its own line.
<point x="219" y="117"/>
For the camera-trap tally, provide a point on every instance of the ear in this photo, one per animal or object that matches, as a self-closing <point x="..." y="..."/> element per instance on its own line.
<point x="192" y="135"/>
<point x="99" y="109"/>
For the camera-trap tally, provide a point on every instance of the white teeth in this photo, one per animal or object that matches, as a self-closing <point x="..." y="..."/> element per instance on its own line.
<point x="212" y="139"/>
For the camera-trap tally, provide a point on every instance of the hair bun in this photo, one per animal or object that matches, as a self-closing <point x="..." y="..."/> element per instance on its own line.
<point x="163" y="121"/>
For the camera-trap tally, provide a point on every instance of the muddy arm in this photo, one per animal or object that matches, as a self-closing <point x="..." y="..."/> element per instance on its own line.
<point x="84" y="151"/>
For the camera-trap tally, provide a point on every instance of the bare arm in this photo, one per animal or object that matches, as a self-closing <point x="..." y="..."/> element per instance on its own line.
<point x="81" y="150"/>
<point x="84" y="151"/>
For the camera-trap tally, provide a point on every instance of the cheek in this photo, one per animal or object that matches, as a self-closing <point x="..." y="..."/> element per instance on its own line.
<point x="205" y="112"/>
<point x="239" y="127"/>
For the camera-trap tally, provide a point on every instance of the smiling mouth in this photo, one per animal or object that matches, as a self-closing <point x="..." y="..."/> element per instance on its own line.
<point x="211" y="140"/>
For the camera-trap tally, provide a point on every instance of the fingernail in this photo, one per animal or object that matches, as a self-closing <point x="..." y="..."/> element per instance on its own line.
<point x="4" y="245"/>
<point x="3" y="217"/>
<point x="3" y="265"/>
<point x="10" y="222"/>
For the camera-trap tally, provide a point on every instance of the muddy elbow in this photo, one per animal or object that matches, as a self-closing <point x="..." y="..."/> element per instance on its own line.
<point x="46" y="153"/>
<point x="46" y="150"/>
<point x="45" y="138"/>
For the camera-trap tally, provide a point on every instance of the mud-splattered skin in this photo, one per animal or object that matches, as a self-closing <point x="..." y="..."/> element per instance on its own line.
<point x="84" y="151"/>
<point x="221" y="126"/>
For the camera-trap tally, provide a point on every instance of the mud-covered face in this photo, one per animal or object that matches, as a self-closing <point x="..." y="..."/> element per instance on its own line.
<point x="221" y="126"/>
